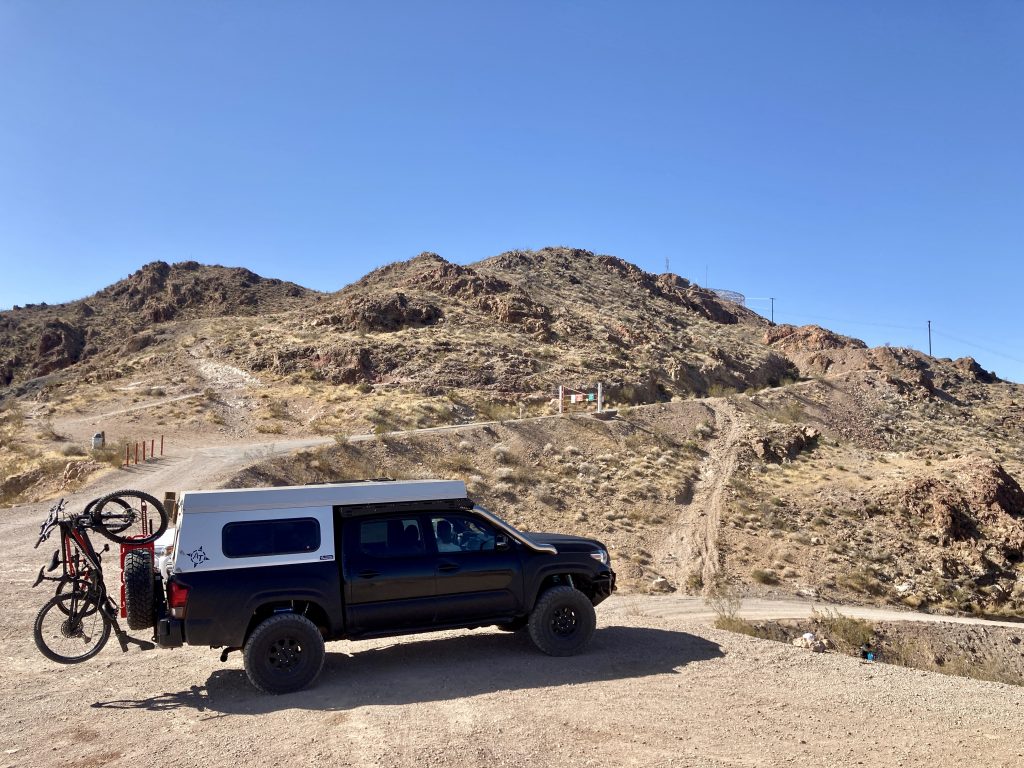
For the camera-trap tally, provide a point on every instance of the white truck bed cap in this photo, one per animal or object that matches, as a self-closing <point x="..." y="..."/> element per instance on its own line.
<point x="292" y="496"/>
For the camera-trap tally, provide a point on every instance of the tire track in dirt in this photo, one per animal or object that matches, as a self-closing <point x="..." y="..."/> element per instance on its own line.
<point x="691" y="548"/>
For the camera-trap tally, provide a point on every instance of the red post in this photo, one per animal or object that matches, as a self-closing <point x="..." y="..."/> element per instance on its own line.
<point x="161" y="445"/>
<point x="136" y="452"/>
<point x="152" y="453"/>
<point x="143" y="451"/>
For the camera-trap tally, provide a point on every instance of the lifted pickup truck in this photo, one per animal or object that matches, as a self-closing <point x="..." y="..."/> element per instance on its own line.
<point x="274" y="572"/>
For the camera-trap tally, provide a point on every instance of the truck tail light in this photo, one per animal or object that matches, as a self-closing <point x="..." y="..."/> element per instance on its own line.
<point x="177" y="599"/>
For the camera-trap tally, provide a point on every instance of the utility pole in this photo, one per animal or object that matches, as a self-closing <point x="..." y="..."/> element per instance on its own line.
<point x="772" y="300"/>
<point x="929" y="338"/>
<point x="667" y="270"/>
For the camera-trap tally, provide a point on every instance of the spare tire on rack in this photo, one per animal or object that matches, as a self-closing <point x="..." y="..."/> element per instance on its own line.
<point x="138" y="588"/>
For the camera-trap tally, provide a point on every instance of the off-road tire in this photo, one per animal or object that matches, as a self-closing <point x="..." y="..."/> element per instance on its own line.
<point x="139" y="592"/>
<point x="116" y="516"/>
<point x="562" y="621"/>
<point x="284" y="653"/>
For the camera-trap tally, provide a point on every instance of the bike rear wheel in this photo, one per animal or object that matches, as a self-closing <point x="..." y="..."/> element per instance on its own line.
<point x="129" y="517"/>
<point x="71" y="628"/>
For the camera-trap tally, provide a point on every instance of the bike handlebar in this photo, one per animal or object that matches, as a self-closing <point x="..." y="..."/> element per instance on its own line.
<point x="50" y="523"/>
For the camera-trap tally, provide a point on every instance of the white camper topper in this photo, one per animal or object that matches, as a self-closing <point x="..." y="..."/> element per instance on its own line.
<point x="202" y="516"/>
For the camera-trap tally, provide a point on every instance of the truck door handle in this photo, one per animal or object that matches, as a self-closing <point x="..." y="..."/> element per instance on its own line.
<point x="448" y="567"/>
<point x="368" y="574"/>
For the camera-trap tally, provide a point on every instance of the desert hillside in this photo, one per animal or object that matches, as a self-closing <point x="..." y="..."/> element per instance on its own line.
<point x="782" y="460"/>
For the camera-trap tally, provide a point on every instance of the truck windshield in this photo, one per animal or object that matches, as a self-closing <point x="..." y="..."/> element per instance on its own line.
<point x="508" y="528"/>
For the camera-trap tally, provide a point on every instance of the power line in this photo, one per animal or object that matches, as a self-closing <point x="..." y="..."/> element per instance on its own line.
<point x="979" y="346"/>
<point x="858" y="322"/>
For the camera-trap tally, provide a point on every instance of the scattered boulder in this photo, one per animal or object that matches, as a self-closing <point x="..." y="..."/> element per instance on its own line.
<point x="661" y="584"/>
<point x="381" y="313"/>
<point x="77" y="471"/>
<point x="60" y="344"/>
<point x="784" y="444"/>
<point x="808" y="338"/>
<point x="968" y="367"/>
<point x="809" y="641"/>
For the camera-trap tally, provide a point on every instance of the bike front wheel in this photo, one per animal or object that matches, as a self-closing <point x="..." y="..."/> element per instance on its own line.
<point x="129" y="517"/>
<point x="71" y="628"/>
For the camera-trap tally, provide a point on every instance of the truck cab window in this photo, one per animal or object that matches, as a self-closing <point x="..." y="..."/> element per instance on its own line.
<point x="461" y="533"/>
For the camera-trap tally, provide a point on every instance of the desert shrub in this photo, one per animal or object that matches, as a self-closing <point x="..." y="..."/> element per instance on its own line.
<point x="861" y="580"/>
<point x="48" y="432"/>
<point x="846" y="632"/>
<point x="720" y="390"/>
<point x="740" y="626"/>
<point x="277" y="409"/>
<point x="73" y="450"/>
<point x="113" y="453"/>
<point x="721" y="597"/>
<point x="489" y="410"/>
<point x="762" y="576"/>
<point x="787" y="413"/>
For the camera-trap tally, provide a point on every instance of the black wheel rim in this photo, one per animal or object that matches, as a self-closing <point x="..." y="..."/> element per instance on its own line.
<point x="285" y="654"/>
<point x="563" y="622"/>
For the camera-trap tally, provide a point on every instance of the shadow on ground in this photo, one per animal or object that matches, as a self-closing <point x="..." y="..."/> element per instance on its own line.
<point x="443" y="669"/>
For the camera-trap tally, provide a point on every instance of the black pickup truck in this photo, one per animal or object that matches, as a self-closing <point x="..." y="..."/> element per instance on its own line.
<point x="274" y="572"/>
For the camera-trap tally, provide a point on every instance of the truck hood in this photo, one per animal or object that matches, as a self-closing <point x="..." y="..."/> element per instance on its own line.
<point x="565" y="543"/>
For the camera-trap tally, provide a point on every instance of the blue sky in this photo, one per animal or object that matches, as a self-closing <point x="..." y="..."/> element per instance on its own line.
<point x="861" y="162"/>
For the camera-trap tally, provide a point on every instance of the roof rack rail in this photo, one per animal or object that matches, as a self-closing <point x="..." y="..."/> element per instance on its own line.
<point x="356" y="510"/>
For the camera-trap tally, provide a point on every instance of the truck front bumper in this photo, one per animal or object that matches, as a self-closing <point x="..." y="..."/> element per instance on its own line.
<point x="603" y="586"/>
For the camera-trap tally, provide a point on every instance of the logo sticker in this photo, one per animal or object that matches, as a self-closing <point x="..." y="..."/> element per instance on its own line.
<point x="198" y="557"/>
<point x="326" y="557"/>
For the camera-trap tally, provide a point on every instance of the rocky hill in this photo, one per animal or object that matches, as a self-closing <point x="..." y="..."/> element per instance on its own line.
<point x="521" y="323"/>
<point x="38" y="339"/>
<point x="776" y="459"/>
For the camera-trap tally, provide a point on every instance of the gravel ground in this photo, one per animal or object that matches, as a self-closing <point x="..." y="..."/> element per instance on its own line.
<point x="648" y="691"/>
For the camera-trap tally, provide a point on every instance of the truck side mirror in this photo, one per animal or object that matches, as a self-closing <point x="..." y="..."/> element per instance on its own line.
<point x="501" y="542"/>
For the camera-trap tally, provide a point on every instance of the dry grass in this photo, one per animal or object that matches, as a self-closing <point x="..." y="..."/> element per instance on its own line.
<point x="847" y="633"/>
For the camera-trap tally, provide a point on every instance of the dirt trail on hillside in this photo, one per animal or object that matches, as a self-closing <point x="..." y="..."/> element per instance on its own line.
<point x="691" y="548"/>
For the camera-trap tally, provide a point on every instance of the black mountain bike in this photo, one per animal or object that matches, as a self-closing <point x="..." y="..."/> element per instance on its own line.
<point x="75" y="623"/>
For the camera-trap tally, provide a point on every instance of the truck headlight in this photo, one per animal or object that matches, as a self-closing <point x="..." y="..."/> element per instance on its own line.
<point x="601" y="555"/>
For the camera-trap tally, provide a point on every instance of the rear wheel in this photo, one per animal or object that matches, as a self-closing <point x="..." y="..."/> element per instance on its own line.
<point x="71" y="628"/>
<point x="562" y="621"/>
<point x="138" y="588"/>
<point x="284" y="653"/>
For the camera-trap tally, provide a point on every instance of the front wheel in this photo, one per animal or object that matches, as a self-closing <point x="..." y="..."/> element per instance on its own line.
<point x="129" y="517"/>
<point x="71" y="628"/>
<point x="562" y="621"/>
<point x="284" y="653"/>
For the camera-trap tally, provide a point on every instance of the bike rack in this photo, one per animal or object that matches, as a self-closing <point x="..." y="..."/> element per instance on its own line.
<point x="126" y="548"/>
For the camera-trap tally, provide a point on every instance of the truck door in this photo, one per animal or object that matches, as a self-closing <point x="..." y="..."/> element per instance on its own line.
<point x="389" y="574"/>
<point x="479" y="575"/>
